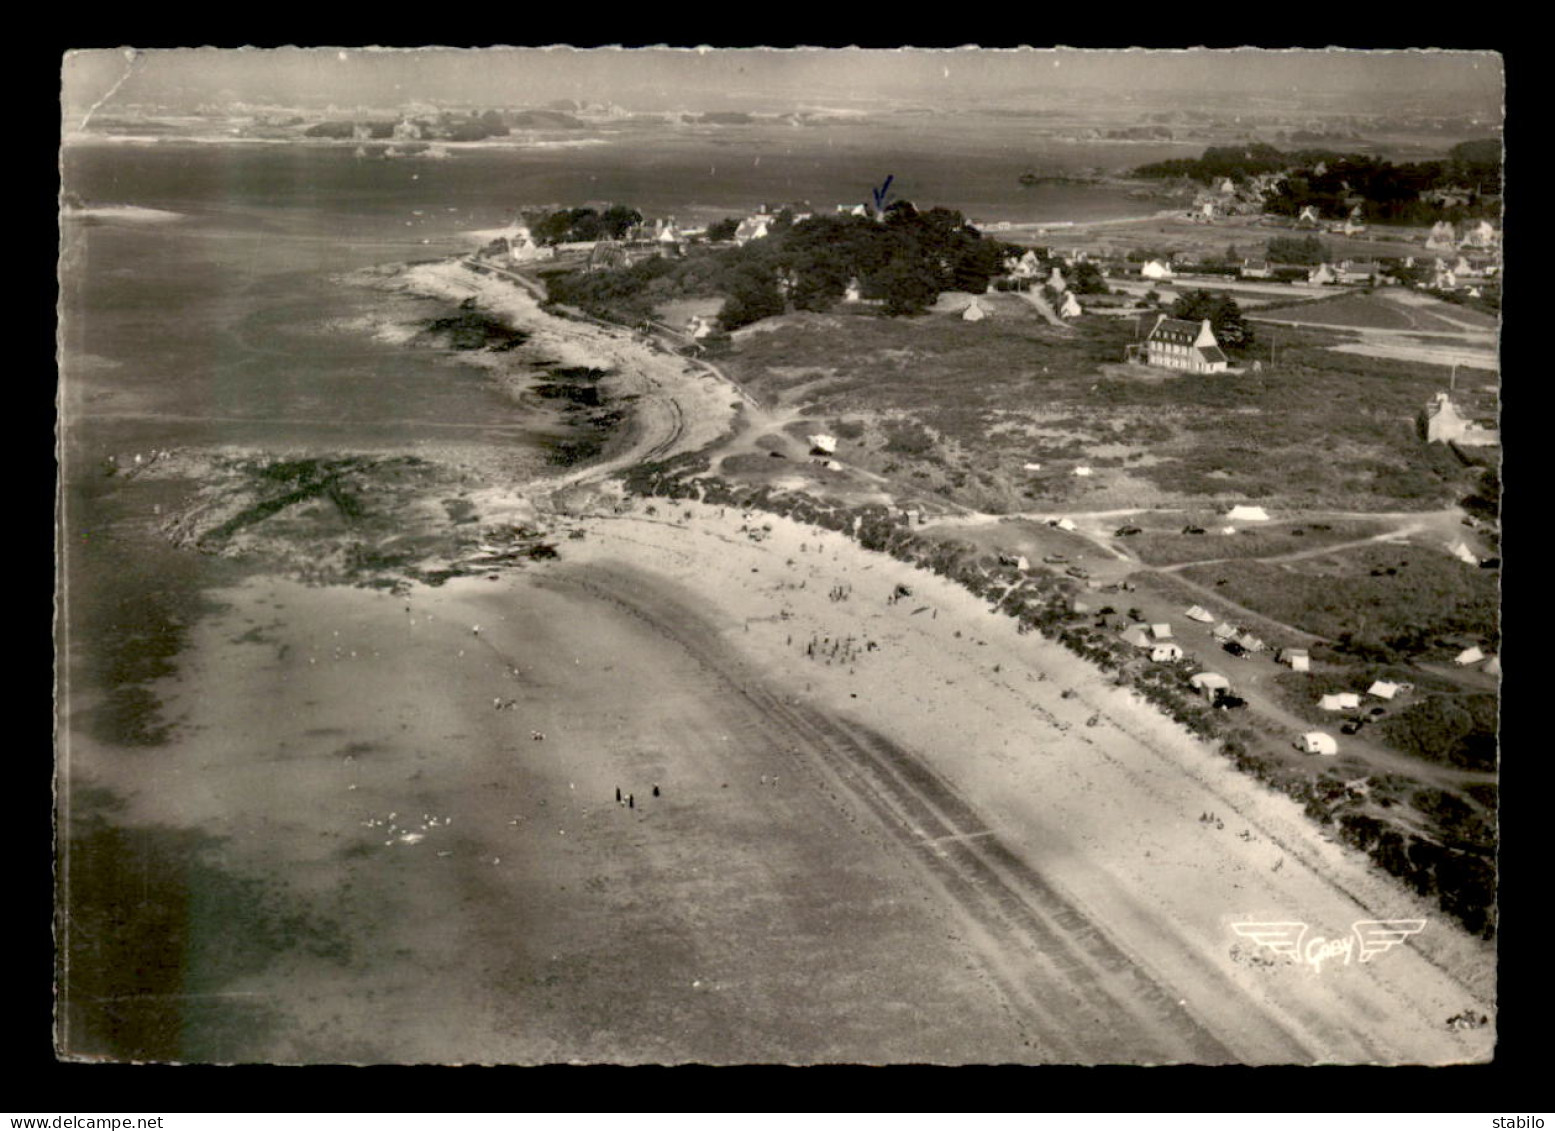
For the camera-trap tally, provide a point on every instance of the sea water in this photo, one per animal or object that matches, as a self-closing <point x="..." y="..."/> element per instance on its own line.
<point x="214" y="296"/>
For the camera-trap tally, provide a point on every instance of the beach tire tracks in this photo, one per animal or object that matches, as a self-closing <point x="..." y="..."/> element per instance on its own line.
<point x="1081" y="995"/>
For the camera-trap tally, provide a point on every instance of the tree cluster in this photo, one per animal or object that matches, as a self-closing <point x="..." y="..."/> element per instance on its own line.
<point x="1232" y="330"/>
<point x="1308" y="251"/>
<point x="583" y="225"/>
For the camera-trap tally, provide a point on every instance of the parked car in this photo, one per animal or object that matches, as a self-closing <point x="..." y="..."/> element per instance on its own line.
<point x="1235" y="649"/>
<point x="1055" y="559"/>
<point x="1126" y="531"/>
<point x="1076" y="571"/>
<point x="1193" y="530"/>
<point x="1228" y="702"/>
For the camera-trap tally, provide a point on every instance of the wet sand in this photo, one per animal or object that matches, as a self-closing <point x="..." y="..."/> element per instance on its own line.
<point x="921" y="854"/>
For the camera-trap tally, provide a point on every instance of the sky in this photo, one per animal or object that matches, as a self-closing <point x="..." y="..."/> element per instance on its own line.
<point x="661" y="78"/>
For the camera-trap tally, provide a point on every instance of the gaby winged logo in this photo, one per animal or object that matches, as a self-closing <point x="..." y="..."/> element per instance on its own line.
<point x="1367" y="939"/>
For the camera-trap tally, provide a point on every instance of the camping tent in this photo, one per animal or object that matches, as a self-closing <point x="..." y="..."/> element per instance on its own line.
<point x="1210" y="682"/>
<point x="1248" y="514"/>
<point x="1200" y="614"/>
<point x="1223" y="631"/>
<point x="974" y="313"/>
<point x="1297" y="658"/>
<point x="1382" y="689"/>
<point x="1250" y="642"/>
<point x="1065" y="524"/>
<point x="1492" y="666"/>
<point x="1469" y="656"/>
<point x="1161" y="631"/>
<point x="823" y="443"/>
<point x="1316" y="742"/>
<point x="1462" y="552"/>
<point x="1083" y="472"/>
<point x="1348" y="700"/>
<point x="1330" y="703"/>
<point x="1162" y="653"/>
<point x="1137" y="636"/>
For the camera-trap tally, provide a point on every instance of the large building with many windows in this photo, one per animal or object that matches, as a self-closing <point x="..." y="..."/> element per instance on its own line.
<point x="1190" y="347"/>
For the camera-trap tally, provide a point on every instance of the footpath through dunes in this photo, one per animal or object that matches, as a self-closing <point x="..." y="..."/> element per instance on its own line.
<point x="1051" y="812"/>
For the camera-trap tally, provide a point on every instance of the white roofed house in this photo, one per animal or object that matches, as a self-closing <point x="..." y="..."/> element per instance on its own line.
<point x="1320" y="276"/>
<point x="1442" y="237"/>
<point x="974" y="312"/>
<point x="1189" y="347"/>
<point x="1070" y="307"/>
<point x="1155" y="269"/>
<point x="1057" y="281"/>
<point x="1026" y="266"/>
<point x="1308" y="216"/>
<point x="1441" y="422"/>
<point x="752" y="228"/>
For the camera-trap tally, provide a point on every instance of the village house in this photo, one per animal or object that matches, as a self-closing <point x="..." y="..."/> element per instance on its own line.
<point x="1188" y="347"/>
<point x="1256" y="269"/>
<point x="1320" y="276"/>
<point x="1070" y="306"/>
<point x="752" y="228"/>
<point x="1027" y="266"/>
<point x="1442" y="237"/>
<point x="1441" y="422"/>
<point x="1155" y="269"/>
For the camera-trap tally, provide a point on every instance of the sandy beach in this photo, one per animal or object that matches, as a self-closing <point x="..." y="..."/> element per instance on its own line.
<point x="851" y="829"/>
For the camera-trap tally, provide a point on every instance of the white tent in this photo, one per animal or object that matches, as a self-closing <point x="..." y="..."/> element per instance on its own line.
<point x="1298" y="659"/>
<point x="1330" y="703"/>
<point x="1155" y="269"/>
<point x="1161" y="631"/>
<point x="1462" y="552"/>
<point x="973" y="313"/>
<point x="1224" y="631"/>
<point x="1349" y="700"/>
<point x="1469" y="656"/>
<point x="1032" y="467"/>
<point x="1492" y="666"/>
<point x="823" y="443"/>
<point x="1163" y="653"/>
<point x="1200" y="614"/>
<point x="1316" y="742"/>
<point x="1248" y="514"/>
<point x="1210" y="681"/>
<point x="1083" y="471"/>
<point x="1066" y="524"/>
<point x="1137" y="635"/>
<point x="1382" y="689"/>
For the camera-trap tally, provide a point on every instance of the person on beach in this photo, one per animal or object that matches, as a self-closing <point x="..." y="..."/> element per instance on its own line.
<point x="631" y="801"/>
<point x="656" y="790"/>
<point x="618" y="795"/>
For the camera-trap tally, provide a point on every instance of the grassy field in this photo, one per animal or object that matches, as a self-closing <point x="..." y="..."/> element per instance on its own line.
<point x="1381" y="312"/>
<point x="1389" y="598"/>
<point x="1319" y="430"/>
<point x="1168" y="546"/>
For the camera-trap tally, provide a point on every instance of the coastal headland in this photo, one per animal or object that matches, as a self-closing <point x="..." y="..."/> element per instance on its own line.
<point x="703" y="784"/>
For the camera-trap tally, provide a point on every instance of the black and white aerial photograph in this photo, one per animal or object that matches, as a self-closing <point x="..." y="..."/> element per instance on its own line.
<point x="777" y="556"/>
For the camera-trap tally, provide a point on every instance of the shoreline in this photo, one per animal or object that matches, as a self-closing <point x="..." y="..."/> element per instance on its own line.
<point x="1001" y="720"/>
<point x="671" y="646"/>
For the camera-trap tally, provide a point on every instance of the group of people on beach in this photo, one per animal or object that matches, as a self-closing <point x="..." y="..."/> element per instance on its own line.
<point x="629" y="800"/>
